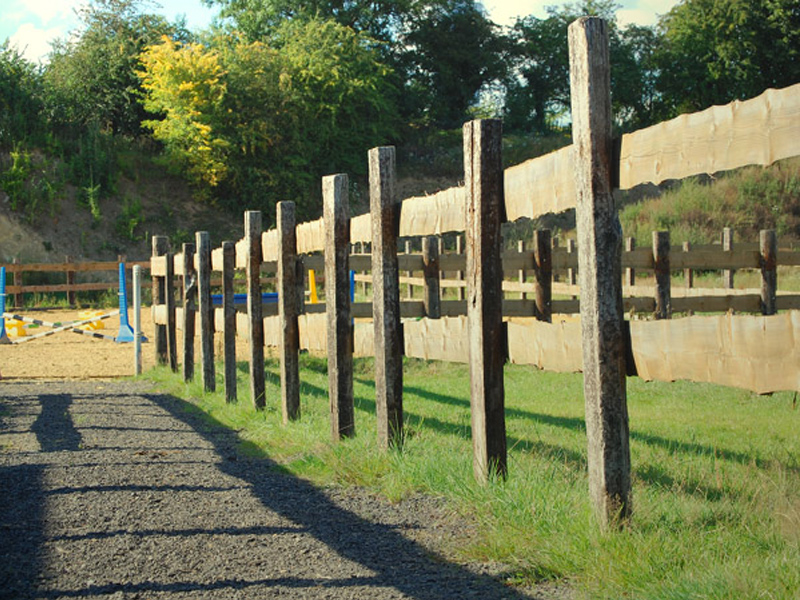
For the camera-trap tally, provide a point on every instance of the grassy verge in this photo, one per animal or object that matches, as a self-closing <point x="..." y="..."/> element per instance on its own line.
<point x="716" y="476"/>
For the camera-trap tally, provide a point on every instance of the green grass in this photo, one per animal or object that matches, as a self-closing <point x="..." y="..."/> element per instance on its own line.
<point x="716" y="476"/>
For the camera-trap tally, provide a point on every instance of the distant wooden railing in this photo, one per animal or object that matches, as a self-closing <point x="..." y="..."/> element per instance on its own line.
<point x="70" y="270"/>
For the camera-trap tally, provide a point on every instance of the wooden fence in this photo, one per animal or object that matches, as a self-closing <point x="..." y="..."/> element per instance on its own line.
<point x="485" y="328"/>
<point x="70" y="270"/>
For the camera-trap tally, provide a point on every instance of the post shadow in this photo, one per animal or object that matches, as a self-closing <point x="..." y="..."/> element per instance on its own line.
<point x="395" y="560"/>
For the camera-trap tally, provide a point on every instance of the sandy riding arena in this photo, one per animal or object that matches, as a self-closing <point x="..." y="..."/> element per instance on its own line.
<point x="67" y="355"/>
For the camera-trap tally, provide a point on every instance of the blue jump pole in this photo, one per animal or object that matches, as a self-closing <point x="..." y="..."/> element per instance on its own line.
<point x="125" y="330"/>
<point x="3" y="335"/>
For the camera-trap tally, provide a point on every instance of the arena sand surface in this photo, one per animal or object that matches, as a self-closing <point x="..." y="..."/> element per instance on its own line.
<point x="68" y="355"/>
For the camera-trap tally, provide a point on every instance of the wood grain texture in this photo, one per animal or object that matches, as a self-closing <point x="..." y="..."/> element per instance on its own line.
<point x="228" y="249"/>
<point x="289" y="335"/>
<point x="600" y="274"/>
<point x="335" y="210"/>
<point x="388" y="339"/>
<point x="485" y="213"/>
<point x="205" y="309"/>
<point x="255" y="328"/>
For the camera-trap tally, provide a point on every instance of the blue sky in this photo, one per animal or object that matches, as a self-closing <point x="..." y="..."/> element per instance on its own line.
<point x="32" y="24"/>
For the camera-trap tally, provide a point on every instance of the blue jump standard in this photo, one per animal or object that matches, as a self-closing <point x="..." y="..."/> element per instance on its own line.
<point x="266" y="298"/>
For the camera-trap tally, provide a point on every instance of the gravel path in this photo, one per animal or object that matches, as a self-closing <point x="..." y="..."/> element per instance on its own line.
<point x="110" y="491"/>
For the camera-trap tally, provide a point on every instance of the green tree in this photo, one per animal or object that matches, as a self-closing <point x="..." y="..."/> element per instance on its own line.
<point x="537" y="90"/>
<point x="716" y="51"/>
<point x="258" y="19"/>
<point x="452" y="50"/>
<point x="254" y="124"/>
<point x="91" y="76"/>
<point x="20" y="98"/>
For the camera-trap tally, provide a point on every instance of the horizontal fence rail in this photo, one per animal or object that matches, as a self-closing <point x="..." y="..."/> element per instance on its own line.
<point x="69" y="269"/>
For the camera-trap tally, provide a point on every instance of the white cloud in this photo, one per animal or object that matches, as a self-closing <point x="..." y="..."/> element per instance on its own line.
<point x="33" y="42"/>
<point x="48" y="11"/>
<point x="505" y="12"/>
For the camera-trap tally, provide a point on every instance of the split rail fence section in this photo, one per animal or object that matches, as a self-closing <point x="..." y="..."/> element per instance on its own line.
<point x="71" y="271"/>
<point x="755" y="352"/>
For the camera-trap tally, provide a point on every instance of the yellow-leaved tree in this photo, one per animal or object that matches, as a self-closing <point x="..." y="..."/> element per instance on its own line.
<point x="185" y="83"/>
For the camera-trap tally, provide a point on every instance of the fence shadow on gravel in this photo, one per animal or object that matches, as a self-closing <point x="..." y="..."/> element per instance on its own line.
<point x="397" y="561"/>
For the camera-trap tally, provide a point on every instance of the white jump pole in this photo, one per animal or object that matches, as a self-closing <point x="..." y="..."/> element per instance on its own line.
<point x="137" y="320"/>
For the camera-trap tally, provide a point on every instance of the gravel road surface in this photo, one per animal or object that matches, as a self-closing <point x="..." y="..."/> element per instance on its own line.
<point x="108" y="490"/>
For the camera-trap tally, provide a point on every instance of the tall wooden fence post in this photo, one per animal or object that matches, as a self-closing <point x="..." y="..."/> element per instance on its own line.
<point x="336" y="220"/>
<point x="169" y="301"/>
<point x="205" y="308"/>
<point x="160" y="247"/>
<point x="229" y="319"/>
<point x="386" y="297"/>
<point x="600" y="272"/>
<point x="70" y="283"/>
<point x="543" y="259"/>
<point x="289" y="344"/>
<point x="727" y="246"/>
<point x="409" y="274"/>
<point x="252" y="233"/>
<point x="663" y="292"/>
<point x="483" y="174"/>
<point x="189" y="310"/>
<point x="431" y="296"/>
<point x="768" y="243"/>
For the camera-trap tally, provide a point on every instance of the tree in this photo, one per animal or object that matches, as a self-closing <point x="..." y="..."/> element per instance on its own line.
<point x="254" y="124"/>
<point x="716" y="51"/>
<point x="20" y="98"/>
<point x="91" y="77"/>
<point x="538" y="85"/>
<point x="258" y="19"/>
<point x="452" y="50"/>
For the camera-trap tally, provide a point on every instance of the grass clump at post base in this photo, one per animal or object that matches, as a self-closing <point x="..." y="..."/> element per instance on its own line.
<point x="716" y="475"/>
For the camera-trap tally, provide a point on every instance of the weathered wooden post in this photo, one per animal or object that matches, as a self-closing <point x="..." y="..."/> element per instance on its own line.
<point x="252" y="234"/>
<point x="137" y="319"/>
<point x="600" y="273"/>
<point x="483" y="175"/>
<point x="431" y="296"/>
<point x="70" y="282"/>
<point x="663" y="291"/>
<point x="336" y="219"/>
<point x="630" y="272"/>
<point x="229" y="319"/>
<point x="543" y="259"/>
<point x="160" y="247"/>
<point x="205" y="308"/>
<point x="388" y="338"/>
<point x="768" y="243"/>
<point x="727" y="246"/>
<point x="688" y="273"/>
<point x="189" y="310"/>
<point x="289" y="344"/>
<point x="169" y="301"/>
<point x="386" y="297"/>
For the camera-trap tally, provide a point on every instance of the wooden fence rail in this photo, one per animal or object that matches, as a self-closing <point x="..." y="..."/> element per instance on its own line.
<point x="69" y="269"/>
